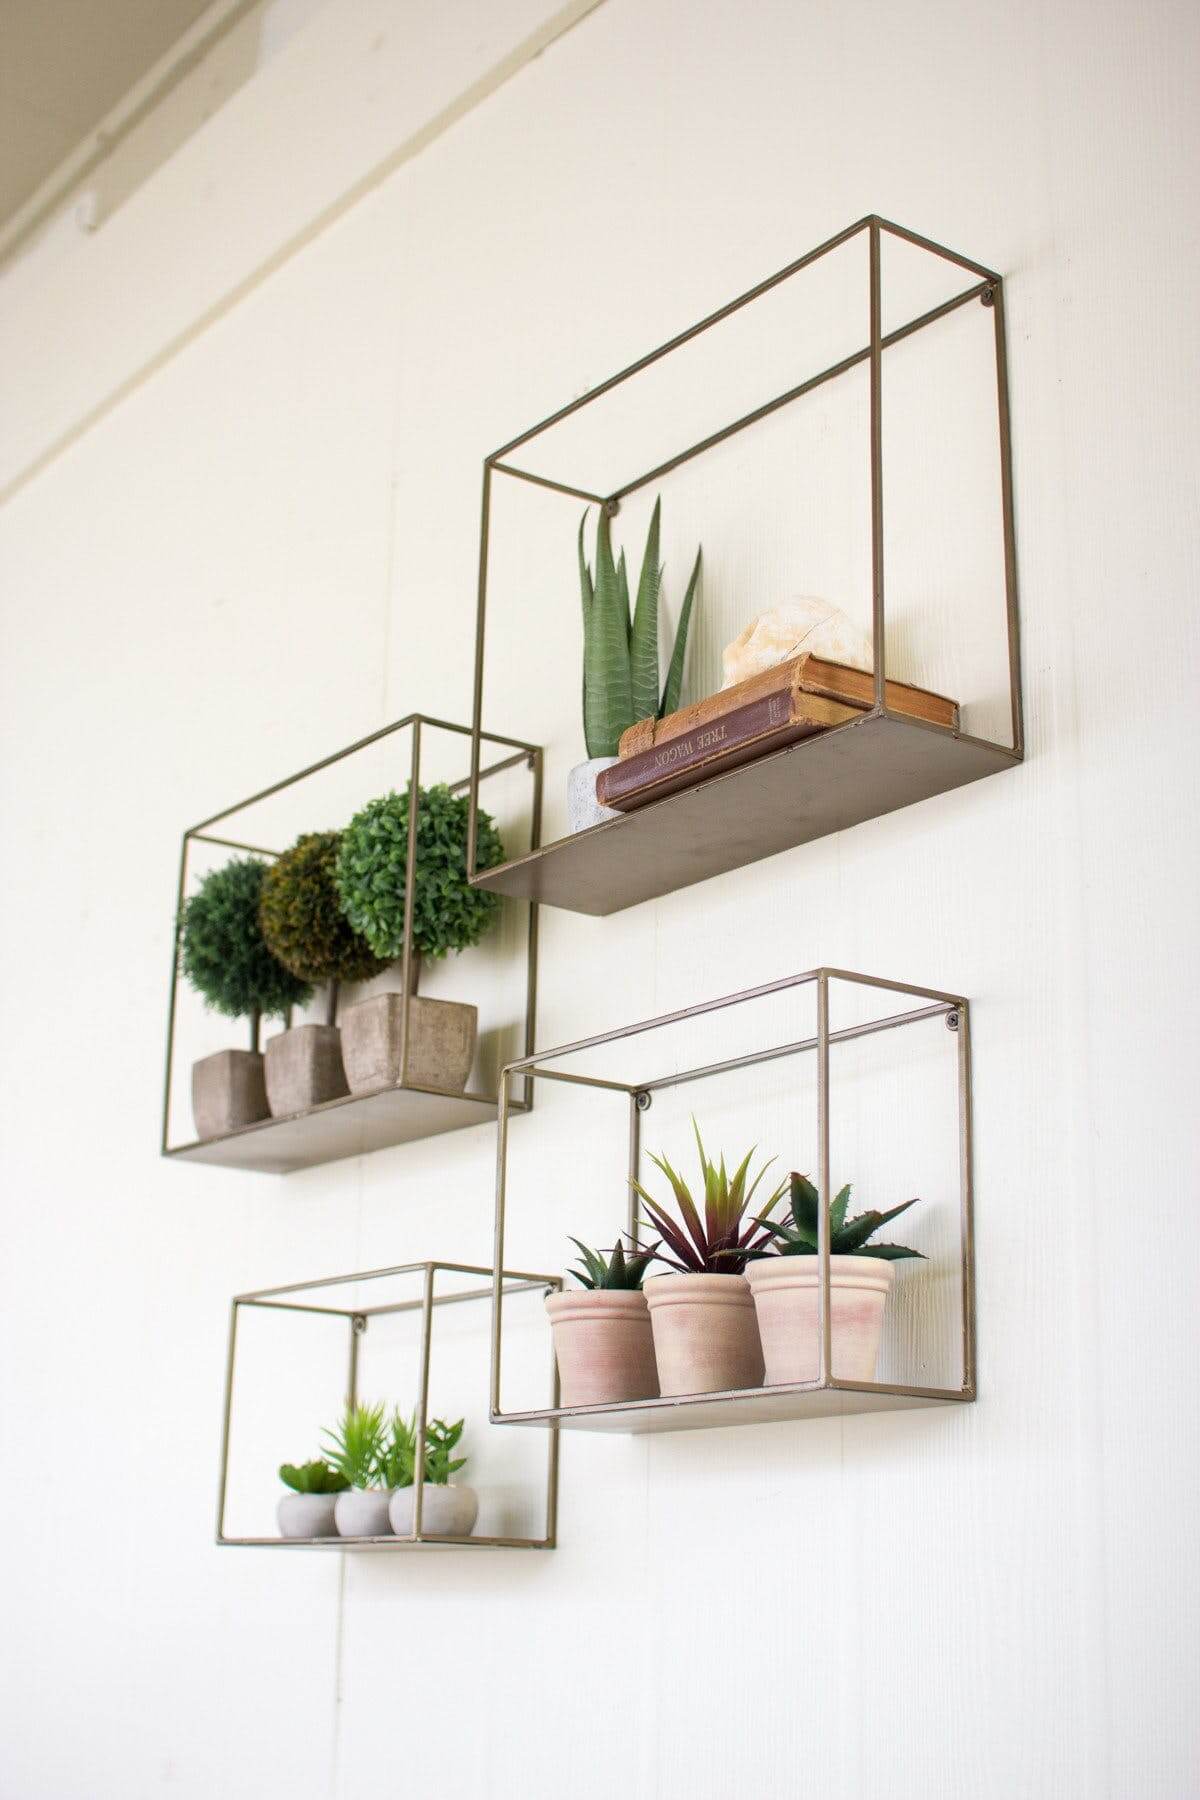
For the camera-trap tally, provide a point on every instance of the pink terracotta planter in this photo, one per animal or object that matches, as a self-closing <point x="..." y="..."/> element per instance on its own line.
<point x="603" y="1346"/>
<point x="705" y="1334"/>
<point x="785" y="1290"/>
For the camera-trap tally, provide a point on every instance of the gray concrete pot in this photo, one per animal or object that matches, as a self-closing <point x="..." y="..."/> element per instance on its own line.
<point x="583" y="809"/>
<point x="362" y="1512"/>
<point x="440" y="1055"/>
<point x="303" y="1068"/>
<point x="447" y="1510"/>
<point x="306" y="1516"/>
<point x="228" y="1091"/>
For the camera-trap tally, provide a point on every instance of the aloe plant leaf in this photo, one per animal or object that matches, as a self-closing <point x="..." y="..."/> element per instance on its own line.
<point x="674" y="682"/>
<point x="805" y="1204"/>
<point x="643" y="642"/>
<point x="855" y="1234"/>
<point x="607" y="688"/>
<point x="837" y="1210"/>
<point x="685" y="1203"/>
<point x="674" y="1234"/>
<point x="890" y="1252"/>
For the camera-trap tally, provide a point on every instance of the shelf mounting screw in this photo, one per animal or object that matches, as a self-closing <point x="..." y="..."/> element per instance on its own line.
<point x="359" y="1324"/>
<point x="952" y="1021"/>
<point x="988" y="297"/>
<point x="643" y="1101"/>
<point x="611" y="508"/>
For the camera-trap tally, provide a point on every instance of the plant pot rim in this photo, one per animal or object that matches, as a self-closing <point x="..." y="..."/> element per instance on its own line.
<point x="396" y="995"/>
<point x="804" y="1271"/>
<point x="291" y="1030"/>
<point x="561" y="1304"/>
<point x="696" y="1288"/>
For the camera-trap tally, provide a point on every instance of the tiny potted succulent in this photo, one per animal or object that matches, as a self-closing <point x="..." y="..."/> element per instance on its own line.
<point x="702" y="1316"/>
<point x="448" y="1509"/>
<point x="225" y="958"/>
<point x="307" y="1510"/>
<point x="448" y="914"/>
<point x="306" y="930"/>
<point x="620" y="659"/>
<point x="602" y="1338"/>
<point x="784" y="1281"/>
<point x="355" y="1449"/>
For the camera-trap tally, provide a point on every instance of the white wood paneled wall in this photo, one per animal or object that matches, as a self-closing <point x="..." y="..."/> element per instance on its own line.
<point x="240" y="442"/>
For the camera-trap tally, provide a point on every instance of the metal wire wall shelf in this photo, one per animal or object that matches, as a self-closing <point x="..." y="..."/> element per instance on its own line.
<point x="871" y="765"/>
<point x="406" y="1110"/>
<point x="905" y="1113"/>
<point x="343" y="1346"/>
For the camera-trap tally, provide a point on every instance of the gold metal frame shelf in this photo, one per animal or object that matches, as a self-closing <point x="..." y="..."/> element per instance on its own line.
<point x="754" y="1406"/>
<point x="857" y="771"/>
<point x="355" y="1123"/>
<point x="296" y="1297"/>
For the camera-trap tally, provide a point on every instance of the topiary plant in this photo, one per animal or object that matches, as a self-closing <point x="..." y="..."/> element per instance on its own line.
<point x="223" y="953"/>
<point x="620" y="650"/>
<point x="302" y="918"/>
<point x="371" y="873"/>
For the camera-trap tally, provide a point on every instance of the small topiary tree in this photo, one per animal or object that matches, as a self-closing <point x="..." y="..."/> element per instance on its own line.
<point x="223" y="954"/>
<point x="303" y="922"/>
<point x="370" y="876"/>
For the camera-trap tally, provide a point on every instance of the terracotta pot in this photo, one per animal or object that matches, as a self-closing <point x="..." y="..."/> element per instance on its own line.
<point x="441" y="1053"/>
<point x="583" y="808"/>
<point x="362" y="1512"/>
<point x="448" y="1509"/>
<point x="705" y="1334"/>
<point x="303" y="1068"/>
<point x="786" y="1297"/>
<point x="604" y="1346"/>
<point x="306" y="1516"/>
<point x="228" y="1091"/>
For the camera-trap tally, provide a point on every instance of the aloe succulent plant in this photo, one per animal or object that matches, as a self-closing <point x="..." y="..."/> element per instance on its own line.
<point x="314" y="1477"/>
<point x="619" y="1271"/>
<point x="398" y="1459"/>
<point x="620" y="649"/>
<point x="356" y="1445"/>
<point x="717" y="1241"/>
<point x="797" y="1236"/>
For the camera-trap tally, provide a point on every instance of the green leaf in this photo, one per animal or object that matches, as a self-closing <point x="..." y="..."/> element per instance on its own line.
<point x="890" y="1252"/>
<point x="643" y="643"/>
<point x="674" y="682"/>
<point x="837" y="1210"/>
<point x="607" y="686"/>
<point x="805" y="1205"/>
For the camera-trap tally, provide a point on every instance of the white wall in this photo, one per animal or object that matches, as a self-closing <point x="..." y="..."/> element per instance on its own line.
<point x="243" y="428"/>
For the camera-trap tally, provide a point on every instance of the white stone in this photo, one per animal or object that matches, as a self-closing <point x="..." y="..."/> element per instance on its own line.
<point x="797" y="626"/>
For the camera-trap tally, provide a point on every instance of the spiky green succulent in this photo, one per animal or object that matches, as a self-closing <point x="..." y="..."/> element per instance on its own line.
<point x="797" y="1236"/>
<point x="717" y="1240"/>
<point x="355" y="1446"/>
<point x="399" y="1459"/>
<point x="314" y="1477"/>
<point x="616" y="1271"/>
<point x="620" y="649"/>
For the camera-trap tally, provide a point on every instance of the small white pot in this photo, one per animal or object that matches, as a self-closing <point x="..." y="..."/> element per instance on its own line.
<point x="362" y="1512"/>
<point x="583" y="808"/>
<point x="447" y="1510"/>
<point x="306" y="1516"/>
<point x="786" y="1297"/>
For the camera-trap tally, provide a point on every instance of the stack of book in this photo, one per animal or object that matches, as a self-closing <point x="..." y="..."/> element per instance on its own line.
<point x="767" y="712"/>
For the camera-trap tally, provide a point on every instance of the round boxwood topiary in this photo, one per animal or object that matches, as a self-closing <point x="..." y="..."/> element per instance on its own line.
<point x="222" y="950"/>
<point x="302" y="919"/>
<point x="448" y="914"/>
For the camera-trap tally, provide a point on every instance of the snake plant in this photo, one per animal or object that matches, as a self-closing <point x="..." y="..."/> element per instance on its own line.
<point x="797" y="1236"/>
<point x="620" y="648"/>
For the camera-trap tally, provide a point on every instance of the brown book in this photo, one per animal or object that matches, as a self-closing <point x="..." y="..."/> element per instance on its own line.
<point x="807" y="674"/>
<point x="748" y="732"/>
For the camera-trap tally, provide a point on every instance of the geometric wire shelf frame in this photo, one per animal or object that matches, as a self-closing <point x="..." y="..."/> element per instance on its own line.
<point x="356" y="1123"/>
<point x="829" y="1393"/>
<point x="292" y="1299"/>
<point x="870" y="765"/>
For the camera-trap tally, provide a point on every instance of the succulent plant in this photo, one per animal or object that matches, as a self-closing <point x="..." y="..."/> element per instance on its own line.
<point x="619" y="1271"/>
<point x="223" y="953"/>
<point x="314" y="1477"/>
<point x="399" y="1459"/>
<point x="620" y="651"/>
<point x="716" y="1241"/>
<point x="372" y="870"/>
<point x="302" y="918"/>
<point x="355" y="1447"/>
<point x="797" y="1236"/>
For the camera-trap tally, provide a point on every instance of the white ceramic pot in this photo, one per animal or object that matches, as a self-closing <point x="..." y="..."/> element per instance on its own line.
<point x="306" y="1516"/>
<point x="362" y="1512"/>
<point x="705" y="1334"/>
<point x="603" y="1345"/>
<point x="785" y="1290"/>
<point x="583" y="808"/>
<point x="447" y="1510"/>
